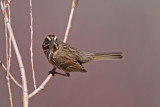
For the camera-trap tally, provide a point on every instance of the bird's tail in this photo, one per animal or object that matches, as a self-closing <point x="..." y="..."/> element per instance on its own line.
<point x="107" y="56"/>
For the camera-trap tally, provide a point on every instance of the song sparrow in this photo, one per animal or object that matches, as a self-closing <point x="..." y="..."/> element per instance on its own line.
<point x="70" y="59"/>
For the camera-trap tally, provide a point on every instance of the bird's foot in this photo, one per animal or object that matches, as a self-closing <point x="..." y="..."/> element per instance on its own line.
<point x="67" y="74"/>
<point x="53" y="72"/>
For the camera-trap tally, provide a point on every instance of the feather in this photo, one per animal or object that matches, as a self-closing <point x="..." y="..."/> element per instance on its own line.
<point x="107" y="56"/>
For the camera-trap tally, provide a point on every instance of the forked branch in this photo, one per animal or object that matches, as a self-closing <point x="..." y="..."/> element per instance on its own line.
<point x="74" y="4"/>
<point x="8" y="58"/>
<point x="10" y="75"/>
<point x="23" y="75"/>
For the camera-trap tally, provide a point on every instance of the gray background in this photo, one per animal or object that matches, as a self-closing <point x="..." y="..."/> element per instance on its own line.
<point x="130" y="26"/>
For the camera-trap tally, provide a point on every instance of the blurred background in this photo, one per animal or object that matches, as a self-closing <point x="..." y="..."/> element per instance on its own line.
<point x="129" y="26"/>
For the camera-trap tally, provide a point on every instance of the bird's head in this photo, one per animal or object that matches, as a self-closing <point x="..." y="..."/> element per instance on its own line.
<point x="50" y="42"/>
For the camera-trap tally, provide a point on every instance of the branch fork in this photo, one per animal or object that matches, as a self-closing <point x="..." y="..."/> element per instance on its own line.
<point x="7" y="21"/>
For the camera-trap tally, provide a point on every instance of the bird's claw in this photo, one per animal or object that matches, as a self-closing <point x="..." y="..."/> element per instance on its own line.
<point x="52" y="72"/>
<point x="67" y="74"/>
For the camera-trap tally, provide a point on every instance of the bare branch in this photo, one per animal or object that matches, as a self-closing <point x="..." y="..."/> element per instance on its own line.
<point x="7" y="63"/>
<point x="10" y="47"/>
<point x="6" y="5"/>
<point x="10" y="93"/>
<point x="41" y="86"/>
<point x="31" y="48"/>
<point x="10" y="75"/>
<point x="24" y="81"/>
<point x="74" y="4"/>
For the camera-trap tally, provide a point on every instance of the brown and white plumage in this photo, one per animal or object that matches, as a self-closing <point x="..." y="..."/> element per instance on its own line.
<point x="70" y="59"/>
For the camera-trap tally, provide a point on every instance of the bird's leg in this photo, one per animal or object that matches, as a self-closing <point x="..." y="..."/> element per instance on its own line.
<point x="53" y="71"/>
<point x="60" y="74"/>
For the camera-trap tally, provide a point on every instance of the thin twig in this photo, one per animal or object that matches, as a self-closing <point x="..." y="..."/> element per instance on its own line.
<point x="23" y="75"/>
<point x="10" y="47"/>
<point x="7" y="63"/>
<point x="74" y="4"/>
<point x="9" y="90"/>
<point x="6" y="5"/>
<point x="31" y="48"/>
<point x="41" y="86"/>
<point x="10" y="75"/>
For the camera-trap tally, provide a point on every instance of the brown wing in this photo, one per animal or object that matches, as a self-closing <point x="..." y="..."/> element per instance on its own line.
<point x="67" y="62"/>
<point x="80" y="56"/>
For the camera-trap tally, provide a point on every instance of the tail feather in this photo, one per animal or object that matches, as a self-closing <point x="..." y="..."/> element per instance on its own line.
<point x="107" y="56"/>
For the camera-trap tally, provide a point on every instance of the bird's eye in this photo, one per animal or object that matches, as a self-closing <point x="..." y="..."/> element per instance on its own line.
<point x="46" y="41"/>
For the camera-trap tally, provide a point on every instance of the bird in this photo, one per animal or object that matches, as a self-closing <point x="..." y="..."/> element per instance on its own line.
<point x="70" y="59"/>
